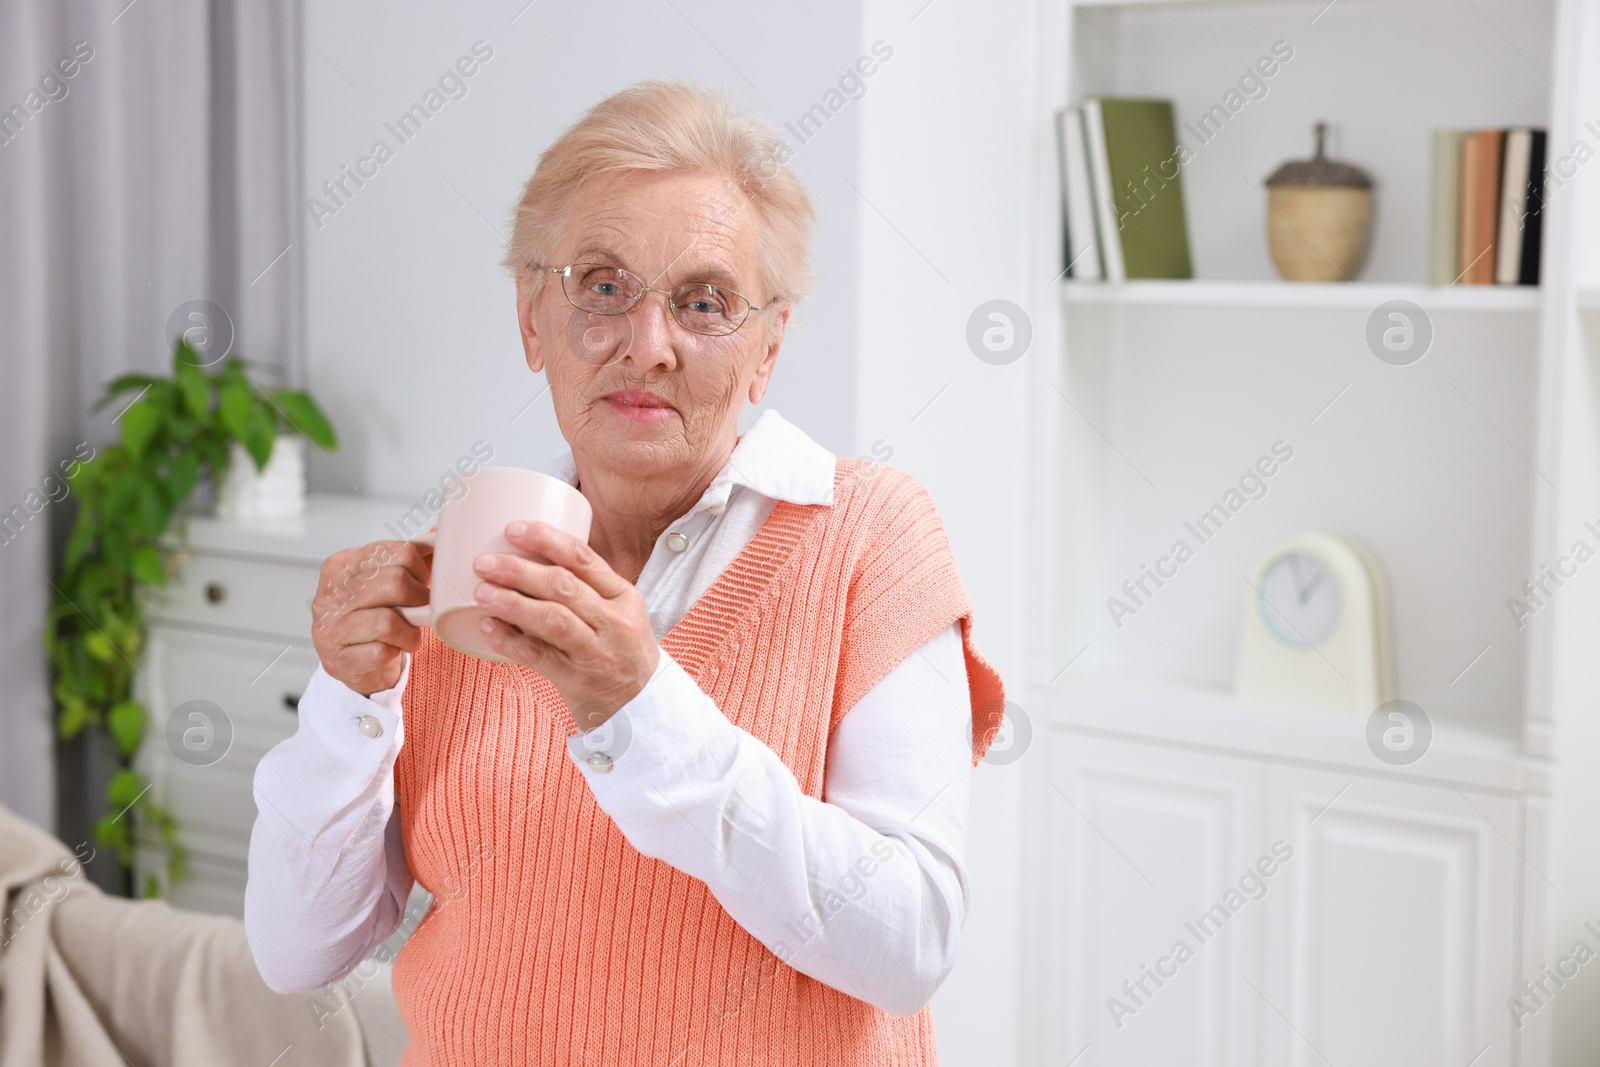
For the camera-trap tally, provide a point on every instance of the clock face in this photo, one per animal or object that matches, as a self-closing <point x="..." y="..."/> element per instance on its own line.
<point x="1299" y="600"/>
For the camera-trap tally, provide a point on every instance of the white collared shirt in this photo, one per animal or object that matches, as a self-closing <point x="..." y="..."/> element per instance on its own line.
<point x="328" y="877"/>
<point x="773" y="461"/>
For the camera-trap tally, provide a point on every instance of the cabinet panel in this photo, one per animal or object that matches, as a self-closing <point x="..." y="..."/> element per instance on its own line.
<point x="1393" y="943"/>
<point x="1142" y="842"/>
<point x="212" y="886"/>
<point x="252" y="684"/>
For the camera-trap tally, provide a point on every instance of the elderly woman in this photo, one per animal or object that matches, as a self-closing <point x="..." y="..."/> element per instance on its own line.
<point x="713" y="810"/>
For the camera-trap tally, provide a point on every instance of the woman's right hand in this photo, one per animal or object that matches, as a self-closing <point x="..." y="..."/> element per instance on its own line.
<point x="358" y="634"/>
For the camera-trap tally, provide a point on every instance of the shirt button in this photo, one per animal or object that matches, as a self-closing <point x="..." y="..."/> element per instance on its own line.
<point x="717" y="509"/>
<point x="369" y="726"/>
<point x="677" y="541"/>
<point x="598" y="762"/>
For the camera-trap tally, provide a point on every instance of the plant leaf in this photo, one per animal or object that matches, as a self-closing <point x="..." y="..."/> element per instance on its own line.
<point x="82" y="533"/>
<point x="84" y="475"/>
<point x="153" y="510"/>
<point x="195" y="385"/>
<point x="183" y="470"/>
<point x="99" y="646"/>
<point x="118" y="550"/>
<point x="126" y="723"/>
<point x="74" y="716"/>
<point x="148" y="566"/>
<point x="112" y="832"/>
<point x="236" y="411"/>
<point x="121" y="385"/>
<point x="306" y="418"/>
<point x="125" y="787"/>
<point x="120" y="497"/>
<point x="139" y="425"/>
<point x="259" y="443"/>
<point x="99" y="578"/>
<point x="212" y="450"/>
<point x="177" y="856"/>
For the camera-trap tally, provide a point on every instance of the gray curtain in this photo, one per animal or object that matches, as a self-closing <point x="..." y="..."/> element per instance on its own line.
<point x="150" y="172"/>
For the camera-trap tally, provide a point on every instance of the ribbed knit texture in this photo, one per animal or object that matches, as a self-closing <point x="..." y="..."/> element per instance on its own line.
<point x="553" y="940"/>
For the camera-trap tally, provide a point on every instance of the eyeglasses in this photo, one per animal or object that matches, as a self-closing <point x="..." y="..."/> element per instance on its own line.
<point x="699" y="307"/>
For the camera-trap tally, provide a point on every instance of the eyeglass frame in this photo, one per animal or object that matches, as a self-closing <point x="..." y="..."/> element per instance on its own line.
<point x="672" y="309"/>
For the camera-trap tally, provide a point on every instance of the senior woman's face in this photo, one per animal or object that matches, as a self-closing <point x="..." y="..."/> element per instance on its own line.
<point x="640" y="394"/>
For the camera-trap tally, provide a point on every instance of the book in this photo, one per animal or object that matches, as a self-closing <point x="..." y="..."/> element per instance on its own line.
<point x="1444" y="261"/>
<point x="1094" y="135"/>
<point x="1480" y="204"/>
<point x="1083" y="245"/>
<point x="1513" y="206"/>
<point x="1466" y="224"/>
<point x="1141" y="202"/>
<point x="1533" y="216"/>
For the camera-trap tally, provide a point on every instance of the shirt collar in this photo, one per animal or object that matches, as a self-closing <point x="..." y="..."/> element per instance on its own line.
<point x="774" y="457"/>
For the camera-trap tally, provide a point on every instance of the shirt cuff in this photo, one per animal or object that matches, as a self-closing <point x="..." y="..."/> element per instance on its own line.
<point x="343" y="713"/>
<point x="671" y="720"/>
<point x="389" y="699"/>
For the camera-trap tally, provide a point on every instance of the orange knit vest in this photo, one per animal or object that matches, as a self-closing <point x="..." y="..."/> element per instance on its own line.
<point x="552" y="940"/>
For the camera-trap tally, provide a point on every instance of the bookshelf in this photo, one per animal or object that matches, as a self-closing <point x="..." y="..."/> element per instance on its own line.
<point x="1310" y="295"/>
<point x="1466" y="472"/>
<point x="1484" y="64"/>
<point x="1279" y="343"/>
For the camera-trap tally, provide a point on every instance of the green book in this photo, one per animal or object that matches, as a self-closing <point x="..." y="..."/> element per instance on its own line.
<point x="1445" y="254"/>
<point x="1145" y="186"/>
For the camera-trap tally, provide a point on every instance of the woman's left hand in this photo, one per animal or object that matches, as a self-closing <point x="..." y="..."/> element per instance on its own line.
<point x="584" y="626"/>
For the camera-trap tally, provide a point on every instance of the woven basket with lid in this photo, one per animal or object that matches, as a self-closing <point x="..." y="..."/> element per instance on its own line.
<point x="1318" y="214"/>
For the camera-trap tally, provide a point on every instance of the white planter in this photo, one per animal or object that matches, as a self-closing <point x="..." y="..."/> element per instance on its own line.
<point x="276" y="492"/>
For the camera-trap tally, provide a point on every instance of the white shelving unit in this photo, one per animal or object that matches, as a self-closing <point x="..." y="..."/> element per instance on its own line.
<point x="1250" y="294"/>
<point x="1467" y="472"/>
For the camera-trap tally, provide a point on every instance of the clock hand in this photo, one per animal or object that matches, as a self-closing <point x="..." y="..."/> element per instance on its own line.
<point x="1310" y="588"/>
<point x="1299" y="583"/>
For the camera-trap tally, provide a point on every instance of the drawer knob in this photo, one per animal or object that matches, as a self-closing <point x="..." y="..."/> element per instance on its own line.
<point x="215" y="592"/>
<point x="292" y="701"/>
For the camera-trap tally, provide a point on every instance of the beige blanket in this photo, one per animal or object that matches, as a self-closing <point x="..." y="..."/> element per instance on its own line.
<point x="90" y="980"/>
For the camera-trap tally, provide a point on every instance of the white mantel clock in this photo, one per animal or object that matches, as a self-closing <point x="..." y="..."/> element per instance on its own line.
<point x="1316" y="629"/>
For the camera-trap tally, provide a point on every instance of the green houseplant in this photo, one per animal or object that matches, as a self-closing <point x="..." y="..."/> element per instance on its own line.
<point x="176" y="432"/>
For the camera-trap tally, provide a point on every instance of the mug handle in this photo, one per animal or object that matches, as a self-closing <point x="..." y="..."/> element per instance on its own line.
<point x="421" y="614"/>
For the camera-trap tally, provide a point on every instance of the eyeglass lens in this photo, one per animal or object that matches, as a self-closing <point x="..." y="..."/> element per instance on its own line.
<point x="697" y="306"/>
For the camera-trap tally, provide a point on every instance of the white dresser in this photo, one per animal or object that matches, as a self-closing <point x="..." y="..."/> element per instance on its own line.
<point x="1389" y="923"/>
<point x="228" y="656"/>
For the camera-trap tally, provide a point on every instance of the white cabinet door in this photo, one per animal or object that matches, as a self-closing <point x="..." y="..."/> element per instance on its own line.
<point x="1142" y="842"/>
<point x="209" y="885"/>
<point x="1392" y="934"/>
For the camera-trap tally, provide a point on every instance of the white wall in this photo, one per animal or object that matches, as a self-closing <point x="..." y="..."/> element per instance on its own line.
<point x="948" y="143"/>
<point x="413" y="338"/>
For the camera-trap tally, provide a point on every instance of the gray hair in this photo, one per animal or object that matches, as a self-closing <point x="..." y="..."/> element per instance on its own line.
<point x="674" y="126"/>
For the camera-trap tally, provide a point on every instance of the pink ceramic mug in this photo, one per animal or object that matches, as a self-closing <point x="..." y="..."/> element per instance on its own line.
<point x="474" y="523"/>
